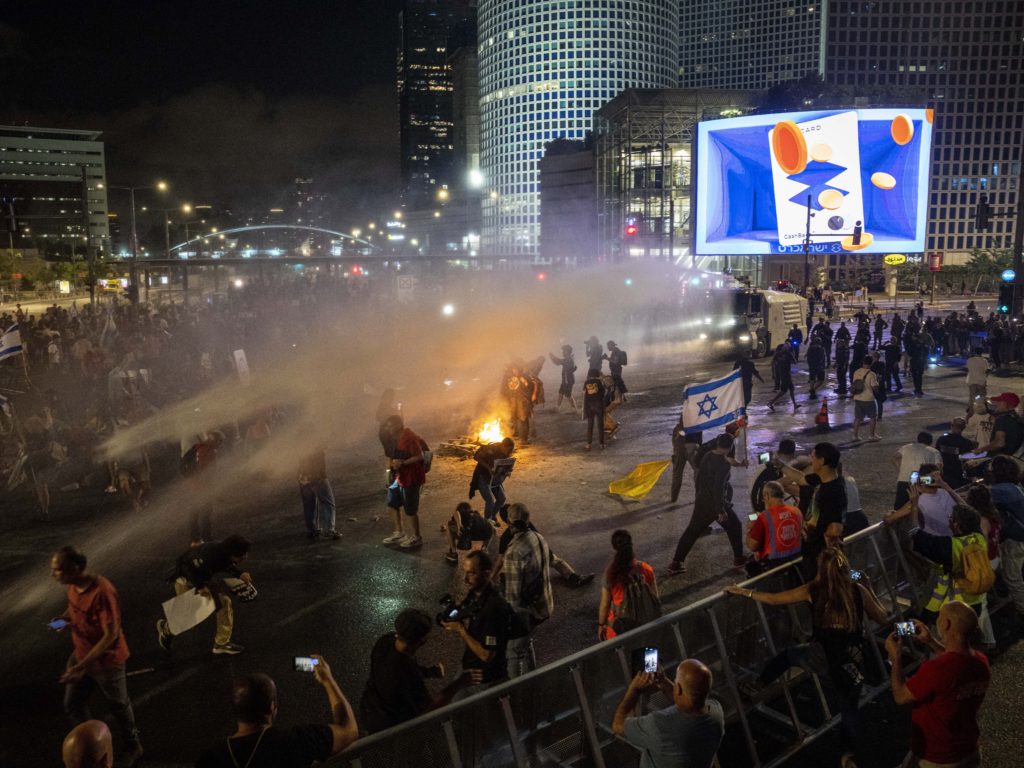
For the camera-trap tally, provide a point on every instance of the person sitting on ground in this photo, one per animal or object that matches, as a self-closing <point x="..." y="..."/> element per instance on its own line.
<point x="946" y="692"/>
<point x="88" y="745"/>
<point x="258" y="743"/>
<point x="623" y="568"/>
<point x="838" y="604"/>
<point x="395" y="691"/>
<point x="466" y="530"/>
<point x="688" y="732"/>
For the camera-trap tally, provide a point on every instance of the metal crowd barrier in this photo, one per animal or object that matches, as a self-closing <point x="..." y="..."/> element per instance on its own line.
<point x="560" y="714"/>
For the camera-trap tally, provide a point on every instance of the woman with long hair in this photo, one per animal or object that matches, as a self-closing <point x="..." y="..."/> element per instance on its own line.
<point x="620" y="571"/>
<point x="838" y="604"/>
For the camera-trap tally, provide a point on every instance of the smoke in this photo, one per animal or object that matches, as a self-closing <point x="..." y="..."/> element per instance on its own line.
<point x="330" y="381"/>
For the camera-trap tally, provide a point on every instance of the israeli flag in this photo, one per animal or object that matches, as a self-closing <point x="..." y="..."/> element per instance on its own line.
<point x="10" y="343"/>
<point x="713" y="403"/>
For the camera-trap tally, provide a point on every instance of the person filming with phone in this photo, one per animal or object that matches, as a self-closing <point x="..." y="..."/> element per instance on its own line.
<point x="932" y="501"/>
<point x="258" y="742"/>
<point x="945" y="693"/>
<point x="688" y="732"/>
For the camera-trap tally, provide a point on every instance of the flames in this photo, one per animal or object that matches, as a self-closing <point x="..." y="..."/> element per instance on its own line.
<point x="490" y="432"/>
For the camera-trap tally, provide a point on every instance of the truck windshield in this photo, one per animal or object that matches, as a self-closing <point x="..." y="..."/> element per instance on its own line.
<point x="747" y="303"/>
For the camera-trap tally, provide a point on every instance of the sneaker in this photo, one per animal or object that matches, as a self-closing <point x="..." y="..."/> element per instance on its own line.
<point x="163" y="635"/>
<point x="674" y="569"/>
<point x="451" y="557"/>
<point x="110" y="489"/>
<point x="575" y="580"/>
<point x="410" y="542"/>
<point x="587" y="447"/>
<point x="874" y="438"/>
<point x="857" y="439"/>
<point x="331" y="534"/>
<point x="394" y="538"/>
<point x="230" y="649"/>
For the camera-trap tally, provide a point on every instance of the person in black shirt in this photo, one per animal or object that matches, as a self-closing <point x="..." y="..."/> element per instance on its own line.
<point x="1007" y="431"/>
<point x="827" y="510"/>
<point x="711" y="503"/>
<point x="684" y="451"/>
<point x="485" y="630"/>
<point x="593" y="405"/>
<point x="747" y="373"/>
<point x="568" y="365"/>
<point x="466" y="530"/>
<point x="952" y="446"/>
<point x="493" y="493"/>
<point x="259" y="743"/>
<point x="395" y="691"/>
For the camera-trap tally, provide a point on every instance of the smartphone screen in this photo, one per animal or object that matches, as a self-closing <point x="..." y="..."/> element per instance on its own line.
<point x="764" y="458"/>
<point x="914" y="477"/>
<point x="927" y="480"/>
<point x="57" y="624"/>
<point x="305" y="663"/>
<point x="856" y="575"/>
<point x="752" y="517"/>
<point x="905" y="629"/>
<point x="650" y="659"/>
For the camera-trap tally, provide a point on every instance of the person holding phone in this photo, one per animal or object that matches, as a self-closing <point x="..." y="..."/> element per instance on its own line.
<point x="838" y="605"/>
<point x="100" y="649"/>
<point x="258" y="742"/>
<point x="946" y="692"/>
<point x="932" y="501"/>
<point x="687" y="732"/>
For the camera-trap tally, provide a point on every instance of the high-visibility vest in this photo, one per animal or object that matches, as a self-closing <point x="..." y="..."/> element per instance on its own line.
<point x="944" y="589"/>
<point x="782" y="537"/>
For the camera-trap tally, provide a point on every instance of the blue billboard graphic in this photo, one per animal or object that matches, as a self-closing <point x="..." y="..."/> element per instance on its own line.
<point x="862" y="175"/>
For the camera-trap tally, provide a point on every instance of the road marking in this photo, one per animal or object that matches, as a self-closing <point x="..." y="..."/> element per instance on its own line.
<point x="312" y="607"/>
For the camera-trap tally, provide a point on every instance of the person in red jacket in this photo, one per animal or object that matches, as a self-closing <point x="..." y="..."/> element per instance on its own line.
<point x="407" y="474"/>
<point x="946" y="692"/>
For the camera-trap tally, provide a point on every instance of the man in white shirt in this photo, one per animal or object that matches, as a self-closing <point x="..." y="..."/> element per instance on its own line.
<point x="865" y="384"/>
<point x="977" y="376"/>
<point x="910" y="458"/>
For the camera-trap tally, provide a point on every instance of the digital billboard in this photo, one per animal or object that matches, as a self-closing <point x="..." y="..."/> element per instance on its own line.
<point x="862" y="173"/>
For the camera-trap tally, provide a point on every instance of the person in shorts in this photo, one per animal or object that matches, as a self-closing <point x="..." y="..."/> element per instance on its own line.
<point x="406" y="476"/>
<point x="865" y="382"/>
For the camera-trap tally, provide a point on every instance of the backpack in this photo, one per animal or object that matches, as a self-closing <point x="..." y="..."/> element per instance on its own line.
<point x="428" y="455"/>
<point x="976" y="574"/>
<point x="189" y="463"/>
<point x="623" y="359"/>
<point x="639" y="604"/>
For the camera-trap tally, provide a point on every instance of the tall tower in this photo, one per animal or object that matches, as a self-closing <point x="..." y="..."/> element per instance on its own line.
<point x="545" y="67"/>
<point x="425" y="96"/>
<point x="749" y="44"/>
<point x="968" y="57"/>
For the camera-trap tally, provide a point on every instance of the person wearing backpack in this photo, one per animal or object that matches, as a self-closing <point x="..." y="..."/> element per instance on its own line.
<point x="616" y="360"/>
<point x="629" y="594"/>
<point x="966" y="574"/>
<point x="593" y="405"/>
<point x="864" y="384"/>
<point x="568" y="365"/>
<point x="526" y="570"/>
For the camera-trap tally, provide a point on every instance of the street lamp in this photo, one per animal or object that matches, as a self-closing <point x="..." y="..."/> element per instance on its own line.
<point x="194" y="221"/>
<point x="185" y="208"/>
<point x="160" y="186"/>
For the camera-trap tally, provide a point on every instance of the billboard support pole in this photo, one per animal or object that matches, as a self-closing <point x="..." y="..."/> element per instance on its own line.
<point x="807" y="248"/>
<point x="1018" y="243"/>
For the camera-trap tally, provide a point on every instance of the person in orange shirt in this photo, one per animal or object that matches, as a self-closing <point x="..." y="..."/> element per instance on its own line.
<point x="623" y="567"/>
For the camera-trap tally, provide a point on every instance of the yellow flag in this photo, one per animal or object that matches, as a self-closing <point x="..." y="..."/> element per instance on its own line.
<point x="639" y="482"/>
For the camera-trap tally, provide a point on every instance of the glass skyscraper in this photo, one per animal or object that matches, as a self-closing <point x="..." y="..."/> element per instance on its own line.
<point x="545" y="67"/>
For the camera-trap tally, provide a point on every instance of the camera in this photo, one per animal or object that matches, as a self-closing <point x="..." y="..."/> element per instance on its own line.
<point x="905" y="629"/>
<point x="452" y="611"/>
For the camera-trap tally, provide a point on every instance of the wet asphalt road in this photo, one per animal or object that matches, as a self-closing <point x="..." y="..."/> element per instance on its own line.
<point x="335" y="598"/>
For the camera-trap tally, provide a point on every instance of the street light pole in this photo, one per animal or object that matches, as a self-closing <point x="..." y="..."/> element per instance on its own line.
<point x="133" y="290"/>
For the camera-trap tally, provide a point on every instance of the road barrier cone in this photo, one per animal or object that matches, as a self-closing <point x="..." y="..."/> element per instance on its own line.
<point x="822" y="418"/>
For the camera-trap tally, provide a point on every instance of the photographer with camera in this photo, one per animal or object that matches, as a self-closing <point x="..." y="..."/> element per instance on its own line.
<point x="482" y="620"/>
<point x="396" y="691"/>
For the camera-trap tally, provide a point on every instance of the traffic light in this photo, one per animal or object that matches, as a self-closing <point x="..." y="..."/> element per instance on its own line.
<point x="1005" y="299"/>
<point x="632" y="225"/>
<point x="983" y="214"/>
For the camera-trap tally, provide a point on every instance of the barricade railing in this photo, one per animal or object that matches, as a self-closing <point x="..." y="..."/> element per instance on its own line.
<point x="561" y="714"/>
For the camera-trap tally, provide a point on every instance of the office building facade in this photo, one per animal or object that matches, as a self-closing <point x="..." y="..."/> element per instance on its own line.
<point x="41" y="174"/>
<point x="545" y="67"/>
<point x="968" y="59"/>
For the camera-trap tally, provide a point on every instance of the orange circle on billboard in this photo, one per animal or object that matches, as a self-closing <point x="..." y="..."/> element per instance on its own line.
<point x="883" y="180"/>
<point x="866" y="239"/>
<point x="789" y="147"/>
<point x="830" y="199"/>
<point x="902" y="129"/>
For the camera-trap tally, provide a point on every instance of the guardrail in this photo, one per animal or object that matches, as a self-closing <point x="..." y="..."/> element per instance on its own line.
<point x="560" y="714"/>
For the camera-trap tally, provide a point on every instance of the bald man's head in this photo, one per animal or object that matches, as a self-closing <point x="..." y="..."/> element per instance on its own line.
<point x="693" y="684"/>
<point x="957" y="619"/>
<point x="88" y="745"/>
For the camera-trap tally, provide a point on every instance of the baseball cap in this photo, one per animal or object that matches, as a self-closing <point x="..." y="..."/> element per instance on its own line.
<point x="518" y="512"/>
<point x="1007" y="397"/>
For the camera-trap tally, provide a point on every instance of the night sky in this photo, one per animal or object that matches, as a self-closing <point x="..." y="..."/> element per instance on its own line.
<point x="229" y="101"/>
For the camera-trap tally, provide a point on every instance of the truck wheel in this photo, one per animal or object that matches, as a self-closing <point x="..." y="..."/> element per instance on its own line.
<point x="762" y="348"/>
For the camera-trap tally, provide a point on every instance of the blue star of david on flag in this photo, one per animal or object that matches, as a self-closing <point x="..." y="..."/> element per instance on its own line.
<point x="707" y="406"/>
<point x="713" y="403"/>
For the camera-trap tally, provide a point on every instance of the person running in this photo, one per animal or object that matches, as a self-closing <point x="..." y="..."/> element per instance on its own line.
<point x="747" y="371"/>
